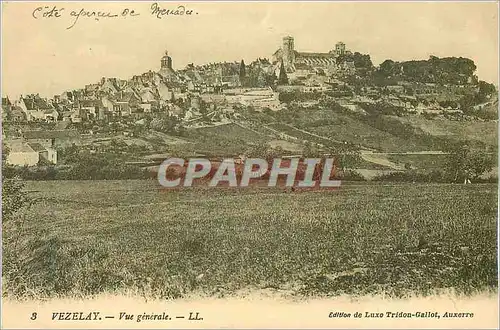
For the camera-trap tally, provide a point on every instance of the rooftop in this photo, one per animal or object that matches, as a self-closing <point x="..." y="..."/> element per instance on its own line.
<point x="35" y="102"/>
<point x="308" y="54"/>
<point x="19" y="147"/>
<point x="37" y="147"/>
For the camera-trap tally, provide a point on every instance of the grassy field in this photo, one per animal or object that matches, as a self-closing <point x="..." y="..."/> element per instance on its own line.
<point x="486" y="132"/>
<point x="86" y="238"/>
<point x="229" y="139"/>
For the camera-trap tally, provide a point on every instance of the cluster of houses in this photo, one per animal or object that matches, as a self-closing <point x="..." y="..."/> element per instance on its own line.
<point x="157" y="91"/>
<point x="152" y="91"/>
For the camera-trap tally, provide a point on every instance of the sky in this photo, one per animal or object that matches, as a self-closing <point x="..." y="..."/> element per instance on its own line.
<point x="43" y="56"/>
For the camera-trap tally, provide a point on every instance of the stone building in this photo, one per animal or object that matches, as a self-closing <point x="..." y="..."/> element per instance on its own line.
<point x="293" y="59"/>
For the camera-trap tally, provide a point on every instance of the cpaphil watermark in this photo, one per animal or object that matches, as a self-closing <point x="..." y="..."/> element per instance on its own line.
<point x="288" y="172"/>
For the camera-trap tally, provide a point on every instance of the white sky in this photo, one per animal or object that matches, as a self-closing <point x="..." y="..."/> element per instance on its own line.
<point x="43" y="56"/>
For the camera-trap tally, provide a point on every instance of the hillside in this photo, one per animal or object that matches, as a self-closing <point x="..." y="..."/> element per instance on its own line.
<point x="482" y="131"/>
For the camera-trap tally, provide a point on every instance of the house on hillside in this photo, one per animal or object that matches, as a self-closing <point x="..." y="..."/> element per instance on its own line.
<point x="21" y="154"/>
<point x="73" y="116"/>
<point x="52" y="139"/>
<point x="125" y="103"/>
<point x="149" y="99"/>
<point x="47" y="154"/>
<point x="89" y="109"/>
<point x="38" y="109"/>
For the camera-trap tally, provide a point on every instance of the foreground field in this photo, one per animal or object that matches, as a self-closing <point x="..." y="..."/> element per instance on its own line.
<point x="86" y="238"/>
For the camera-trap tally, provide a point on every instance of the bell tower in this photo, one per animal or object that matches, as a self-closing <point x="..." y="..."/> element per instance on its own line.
<point x="288" y="52"/>
<point x="166" y="61"/>
<point x="340" y="48"/>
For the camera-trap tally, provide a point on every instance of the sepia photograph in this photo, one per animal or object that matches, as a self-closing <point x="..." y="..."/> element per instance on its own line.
<point x="256" y="164"/>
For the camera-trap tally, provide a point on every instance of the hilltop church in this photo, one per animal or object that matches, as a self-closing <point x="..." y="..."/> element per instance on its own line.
<point x="294" y="60"/>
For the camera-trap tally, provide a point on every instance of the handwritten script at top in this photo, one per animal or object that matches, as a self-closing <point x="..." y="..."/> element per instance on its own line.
<point x="156" y="10"/>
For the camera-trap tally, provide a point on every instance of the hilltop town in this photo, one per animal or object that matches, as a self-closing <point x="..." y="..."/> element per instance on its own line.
<point x="262" y="154"/>
<point x="286" y="101"/>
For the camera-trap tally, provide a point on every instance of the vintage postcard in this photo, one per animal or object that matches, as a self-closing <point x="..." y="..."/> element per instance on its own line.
<point x="249" y="165"/>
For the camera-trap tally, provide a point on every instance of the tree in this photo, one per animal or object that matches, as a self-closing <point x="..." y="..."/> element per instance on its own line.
<point x="361" y="61"/>
<point x="283" y="78"/>
<point x="485" y="90"/>
<point x="479" y="162"/>
<point x="271" y="79"/>
<point x="387" y="68"/>
<point x="13" y="196"/>
<point x="464" y="162"/>
<point x="242" y="70"/>
<point x="261" y="79"/>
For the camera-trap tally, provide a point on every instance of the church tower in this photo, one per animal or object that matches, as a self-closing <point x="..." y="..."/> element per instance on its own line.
<point x="340" y="48"/>
<point x="166" y="61"/>
<point x="288" y="52"/>
<point x="166" y="71"/>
